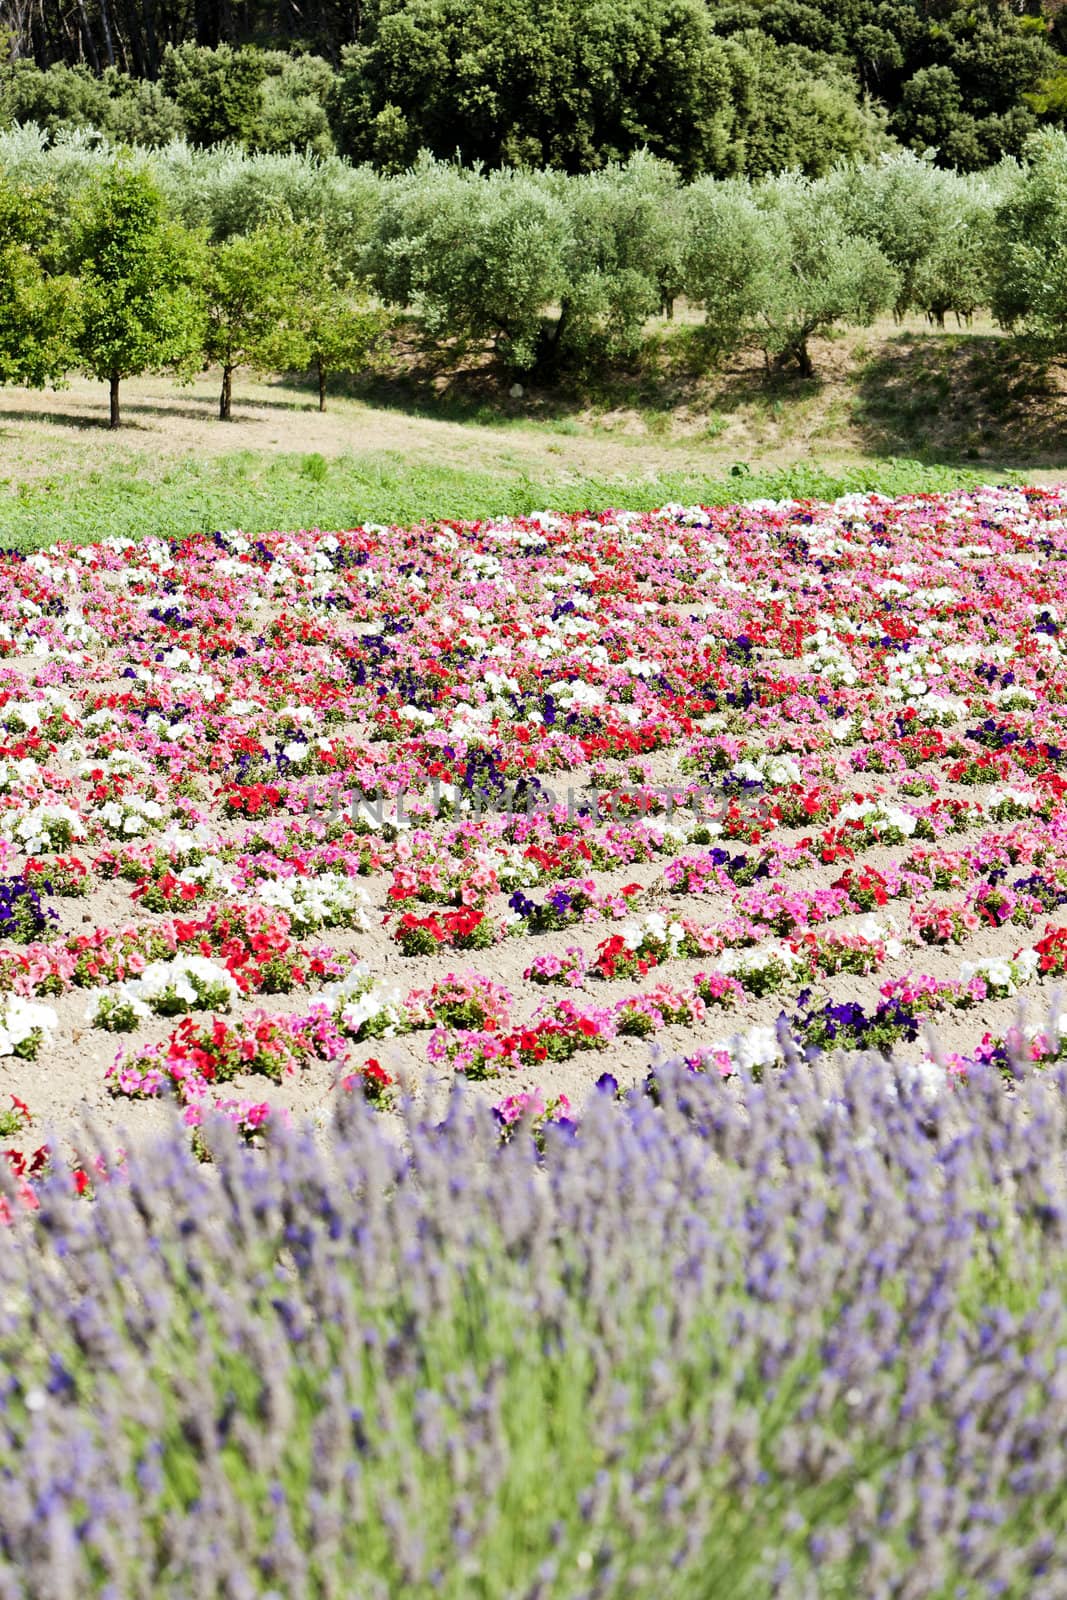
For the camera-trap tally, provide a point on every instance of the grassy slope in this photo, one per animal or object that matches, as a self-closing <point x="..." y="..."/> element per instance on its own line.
<point x="896" y="409"/>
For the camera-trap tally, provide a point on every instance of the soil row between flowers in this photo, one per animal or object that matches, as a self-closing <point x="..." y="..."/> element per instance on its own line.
<point x="815" y="772"/>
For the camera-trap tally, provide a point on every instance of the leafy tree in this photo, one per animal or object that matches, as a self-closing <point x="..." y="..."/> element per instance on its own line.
<point x="139" y="111"/>
<point x="139" y="309"/>
<point x="130" y="110"/>
<point x="776" y="264"/>
<point x="216" y="91"/>
<point x="954" y="273"/>
<point x="801" y="112"/>
<point x="817" y="273"/>
<point x="341" y="333"/>
<point x="481" y="257"/>
<point x="539" y="82"/>
<point x="925" y="221"/>
<point x="251" y="285"/>
<point x="227" y="191"/>
<point x="335" y="329"/>
<point x="63" y="97"/>
<point x="725" y="262"/>
<point x="38" y="310"/>
<point x="621" y="260"/>
<point x="1028" y="248"/>
<point x="294" y="97"/>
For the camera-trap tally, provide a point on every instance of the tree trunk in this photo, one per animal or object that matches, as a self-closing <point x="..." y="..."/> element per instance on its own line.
<point x="87" y="35"/>
<point x="108" y="46"/>
<point x="322" y="386"/>
<point x="227" y="394"/>
<point x="115" y="419"/>
<point x="547" y="358"/>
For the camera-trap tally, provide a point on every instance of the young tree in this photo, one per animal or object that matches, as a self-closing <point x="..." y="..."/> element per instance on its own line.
<point x="335" y="329"/>
<point x="139" y="309"/>
<point x="251" y="296"/>
<point x="38" y="310"/>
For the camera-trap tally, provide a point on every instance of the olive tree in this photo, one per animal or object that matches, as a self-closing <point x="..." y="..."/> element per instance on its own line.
<point x="479" y="257"/>
<point x="1028" y="248"/>
<point x="621" y="260"/>
<point x="817" y="272"/>
<point x="725" y="261"/>
<point x="928" y="222"/>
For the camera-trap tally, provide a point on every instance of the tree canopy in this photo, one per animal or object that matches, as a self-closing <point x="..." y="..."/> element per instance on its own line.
<point x="713" y="86"/>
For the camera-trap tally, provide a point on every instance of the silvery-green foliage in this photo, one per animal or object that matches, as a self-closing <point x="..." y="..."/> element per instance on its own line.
<point x="930" y="224"/>
<point x="222" y="191"/>
<point x="1028" y="247"/>
<point x="621" y="256"/>
<point x="227" y="191"/>
<point x="480" y="256"/>
<point x="818" y="271"/>
<point x="725" y="259"/>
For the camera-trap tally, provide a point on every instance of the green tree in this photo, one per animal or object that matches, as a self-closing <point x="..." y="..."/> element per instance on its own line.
<point x="38" y="309"/>
<point x="218" y="92"/>
<point x="556" y="83"/>
<point x="138" y="305"/>
<point x="926" y="221"/>
<point x="335" y="329"/>
<point x="63" y="97"/>
<point x="294" y="98"/>
<point x="251" y="285"/>
<point x="816" y="272"/>
<point x="480" y="257"/>
<point x="139" y="111"/>
<point x="621" y="261"/>
<point x="775" y="264"/>
<point x="954" y="273"/>
<point x="802" y="112"/>
<point x="725" y="261"/>
<point x="1028" y="248"/>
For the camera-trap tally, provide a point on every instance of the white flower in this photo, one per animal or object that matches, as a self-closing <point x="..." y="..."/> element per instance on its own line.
<point x="20" y="1019"/>
<point x="756" y="958"/>
<point x="320" y="902"/>
<point x="42" y="827"/>
<point x="756" y="1047"/>
<point x="121" y="994"/>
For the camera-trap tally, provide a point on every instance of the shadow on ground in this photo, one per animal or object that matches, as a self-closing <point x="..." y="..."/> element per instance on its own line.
<point x="962" y="398"/>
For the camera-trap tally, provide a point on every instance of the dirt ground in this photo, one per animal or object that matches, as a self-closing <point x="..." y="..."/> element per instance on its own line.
<point x="894" y="390"/>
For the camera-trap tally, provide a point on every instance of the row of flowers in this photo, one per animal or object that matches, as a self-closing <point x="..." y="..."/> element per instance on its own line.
<point x="771" y="717"/>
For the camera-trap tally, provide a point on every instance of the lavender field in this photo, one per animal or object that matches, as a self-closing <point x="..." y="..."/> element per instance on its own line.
<point x="805" y="1339"/>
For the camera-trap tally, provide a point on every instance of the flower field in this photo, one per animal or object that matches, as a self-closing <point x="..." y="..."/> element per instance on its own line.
<point x="552" y="1035"/>
<point x="512" y="801"/>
